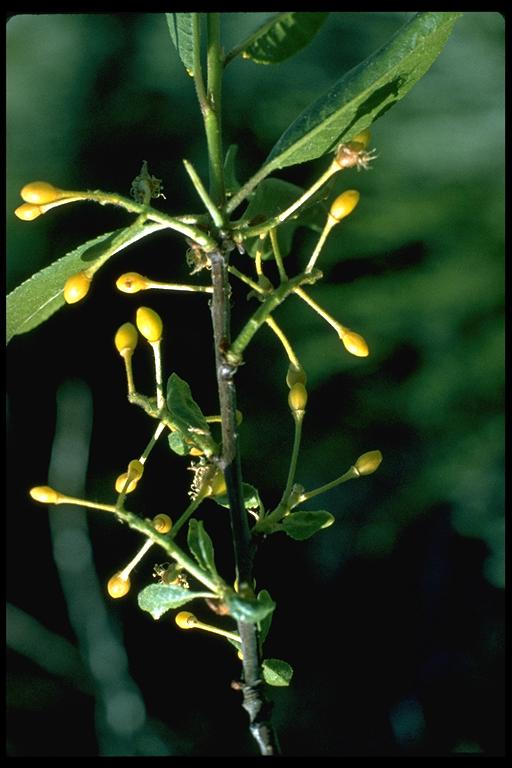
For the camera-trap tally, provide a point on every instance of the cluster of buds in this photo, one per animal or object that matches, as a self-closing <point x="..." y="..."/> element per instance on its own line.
<point x="128" y="481"/>
<point x="40" y="197"/>
<point x="119" y="584"/>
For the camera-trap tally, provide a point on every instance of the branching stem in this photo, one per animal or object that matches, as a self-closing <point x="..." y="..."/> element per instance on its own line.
<point x="254" y="701"/>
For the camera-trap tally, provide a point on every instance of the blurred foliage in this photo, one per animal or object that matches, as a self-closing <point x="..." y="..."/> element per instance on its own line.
<point x="411" y="573"/>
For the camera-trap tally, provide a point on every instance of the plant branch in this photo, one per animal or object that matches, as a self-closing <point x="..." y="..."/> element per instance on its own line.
<point x="269" y="305"/>
<point x="212" y="116"/>
<point x="198" y="74"/>
<point x="230" y="461"/>
<point x="147" y="529"/>
<point x="171" y="222"/>
<point x="269" y="224"/>
<point x="254" y="700"/>
<point x="203" y="194"/>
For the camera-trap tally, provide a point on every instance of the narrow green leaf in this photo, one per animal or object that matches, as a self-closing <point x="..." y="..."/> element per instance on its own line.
<point x="250" y="494"/>
<point x="277" y="672"/>
<point x="181" y="31"/>
<point x="302" y="525"/>
<point x="157" y="599"/>
<point x="365" y="93"/>
<point x="231" y="182"/>
<point x="250" y="610"/>
<point x="39" y="297"/>
<point x="187" y="415"/>
<point x="272" y="197"/>
<point x="201" y="546"/>
<point x="264" y="624"/>
<point x="283" y="36"/>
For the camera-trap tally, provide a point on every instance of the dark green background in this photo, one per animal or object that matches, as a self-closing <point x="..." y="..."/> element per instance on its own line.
<point x="392" y="618"/>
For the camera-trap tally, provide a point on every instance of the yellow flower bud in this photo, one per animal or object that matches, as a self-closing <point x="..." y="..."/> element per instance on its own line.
<point x="149" y="324"/>
<point x="135" y="469"/>
<point x="296" y="375"/>
<point x="185" y="620"/>
<point x="162" y="523"/>
<point x="132" y="282"/>
<point x="354" y="343"/>
<point x="121" y="482"/>
<point x="41" y="192"/>
<point x="218" y="484"/>
<point x="368" y="463"/>
<point x="362" y="138"/>
<point x="45" y="494"/>
<point x="298" y="397"/>
<point x="76" y="287"/>
<point x="126" y="338"/>
<point x="344" y="204"/>
<point x="118" y="585"/>
<point x="28" y="212"/>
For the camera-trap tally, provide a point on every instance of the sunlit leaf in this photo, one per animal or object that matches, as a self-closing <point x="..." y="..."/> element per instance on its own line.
<point x="364" y="93"/>
<point x="157" y="599"/>
<point x="277" y="672"/>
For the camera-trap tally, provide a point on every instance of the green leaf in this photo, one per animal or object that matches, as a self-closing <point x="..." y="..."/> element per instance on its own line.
<point x="201" y="546"/>
<point x="39" y="297"/>
<point x="182" y="35"/>
<point x="187" y="415"/>
<point x="264" y="624"/>
<point x="178" y="444"/>
<point x="283" y="36"/>
<point x="230" y="180"/>
<point x="249" y="609"/>
<point x="157" y="599"/>
<point x="277" y="672"/>
<point x="365" y="93"/>
<point x="302" y="525"/>
<point x="272" y="197"/>
<point x="250" y="494"/>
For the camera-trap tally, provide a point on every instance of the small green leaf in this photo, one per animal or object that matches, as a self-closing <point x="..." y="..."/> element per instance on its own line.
<point x="264" y="624"/>
<point x="157" y="599"/>
<point x="39" y="297"/>
<point x="277" y="672"/>
<point x="182" y="35"/>
<point x="283" y="36"/>
<point x="302" y="525"/>
<point x="272" y="197"/>
<point x="365" y="93"/>
<point x="249" y="609"/>
<point x="178" y="444"/>
<point x="251" y="497"/>
<point x="230" y="180"/>
<point x="187" y="415"/>
<point x="201" y="546"/>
